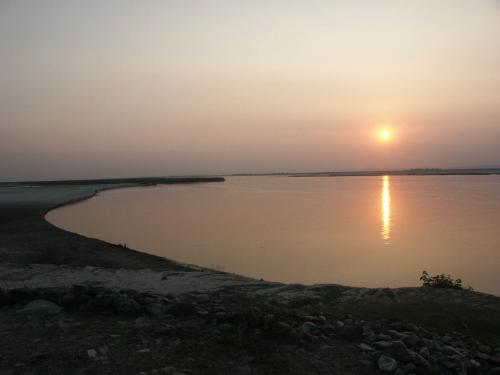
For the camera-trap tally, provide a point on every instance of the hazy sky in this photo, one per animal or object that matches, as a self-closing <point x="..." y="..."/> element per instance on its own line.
<point x="133" y="88"/>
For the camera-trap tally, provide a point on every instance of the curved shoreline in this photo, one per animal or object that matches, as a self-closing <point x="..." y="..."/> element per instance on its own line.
<point x="97" y="191"/>
<point x="27" y="237"/>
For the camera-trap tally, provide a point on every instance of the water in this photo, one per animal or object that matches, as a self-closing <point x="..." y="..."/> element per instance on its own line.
<point x="361" y="231"/>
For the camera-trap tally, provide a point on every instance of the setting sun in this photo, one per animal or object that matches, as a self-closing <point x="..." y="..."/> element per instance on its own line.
<point x="384" y="135"/>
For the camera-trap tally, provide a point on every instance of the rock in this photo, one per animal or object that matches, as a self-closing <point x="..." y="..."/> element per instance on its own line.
<point x="365" y="347"/>
<point x="146" y="350"/>
<point x="123" y="304"/>
<point x="103" y="301"/>
<point x="395" y="348"/>
<point x="387" y="364"/>
<point x="184" y="309"/>
<point x="203" y="313"/>
<point x="103" y="350"/>
<point x="92" y="353"/>
<point x="22" y="295"/>
<point x="41" y="306"/>
<point x="417" y="359"/>
<point x="155" y="309"/>
<point x="410" y="368"/>
<point x="472" y="366"/>
<point x="424" y="352"/>
<point x="484" y="349"/>
<point x="351" y="332"/>
<point x="4" y="298"/>
<point x="448" y="349"/>
<point x="242" y="370"/>
<point x="493" y="371"/>
<point x="484" y="357"/>
<point x="446" y="339"/>
<point x="382" y="337"/>
<point x="308" y="328"/>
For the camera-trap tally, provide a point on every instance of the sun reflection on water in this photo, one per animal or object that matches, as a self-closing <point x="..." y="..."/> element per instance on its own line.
<point x="386" y="209"/>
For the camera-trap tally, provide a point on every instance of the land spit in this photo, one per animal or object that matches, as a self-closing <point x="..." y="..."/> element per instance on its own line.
<point x="76" y="305"/>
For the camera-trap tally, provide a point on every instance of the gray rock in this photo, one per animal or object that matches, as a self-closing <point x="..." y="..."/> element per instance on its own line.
<point x="395" y="348"/>
<point x="242" y="370"/>
<point x="382" y="337"/>
<point x="366" y="348"/>
<point x="92" y="353"/>
<point x="103" y="350"/>
<point x="410" y="368"/>
<point x="41" y="306"/>
<point x="448" y="349"/>
<point x="424" y="352"/>
<point x="387" y="364"/>
<point x="446" y="339"/>
<point x="308" y="328"/>
<point x="155" y="309"/>
<point x="170" y="370"/>
<point x="123" y="304"/>
<point x="417" y="359"/>
<point x="484" y="349"/>
<point x="226" y="328"/>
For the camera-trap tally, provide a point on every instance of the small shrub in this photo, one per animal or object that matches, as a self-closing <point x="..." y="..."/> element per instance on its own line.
<point x="441" y="281"/>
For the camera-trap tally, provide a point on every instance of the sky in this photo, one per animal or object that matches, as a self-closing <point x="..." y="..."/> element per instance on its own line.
<point x="100" y="89"/>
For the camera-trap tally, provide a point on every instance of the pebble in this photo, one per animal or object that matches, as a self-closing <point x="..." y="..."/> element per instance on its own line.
<point x="92" y="353"/>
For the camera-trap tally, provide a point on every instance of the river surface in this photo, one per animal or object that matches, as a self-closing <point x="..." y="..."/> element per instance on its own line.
<point x="360" y="231"/>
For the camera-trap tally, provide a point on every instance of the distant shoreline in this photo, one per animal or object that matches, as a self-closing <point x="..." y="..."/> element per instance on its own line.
<point x="142" y="181"/>
<point x="409" y="172"/>
<point x="402" y="172"/>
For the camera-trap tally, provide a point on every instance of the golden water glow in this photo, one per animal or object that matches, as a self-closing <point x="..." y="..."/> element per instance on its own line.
<point x="386" y="208"/>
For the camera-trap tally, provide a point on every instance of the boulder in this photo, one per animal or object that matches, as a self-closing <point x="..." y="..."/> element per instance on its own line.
<point x="123" y="304"/>
<point x="387" y="364"/>
<point x="42" y="307"/>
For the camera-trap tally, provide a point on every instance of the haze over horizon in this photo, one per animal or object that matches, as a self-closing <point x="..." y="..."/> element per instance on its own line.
<point x="123" y="88"/>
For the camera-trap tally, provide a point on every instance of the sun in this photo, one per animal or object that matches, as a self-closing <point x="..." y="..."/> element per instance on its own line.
<point x="384" y="135"/>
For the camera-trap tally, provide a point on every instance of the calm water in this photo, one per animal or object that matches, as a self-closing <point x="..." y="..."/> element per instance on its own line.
<point x="362" y="231"/>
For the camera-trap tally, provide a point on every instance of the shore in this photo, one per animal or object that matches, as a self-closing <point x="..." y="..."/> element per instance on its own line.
<point x="110" y="309"/>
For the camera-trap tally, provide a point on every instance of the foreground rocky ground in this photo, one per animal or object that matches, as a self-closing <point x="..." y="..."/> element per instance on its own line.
<point x="75" y="305"/>
<point x="270" y="329"/>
